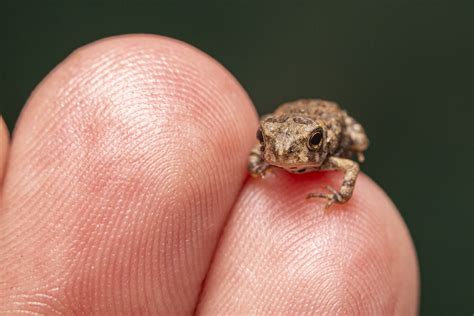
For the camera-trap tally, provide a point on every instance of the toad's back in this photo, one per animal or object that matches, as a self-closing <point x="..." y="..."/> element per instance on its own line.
<point x="317" y="109"/>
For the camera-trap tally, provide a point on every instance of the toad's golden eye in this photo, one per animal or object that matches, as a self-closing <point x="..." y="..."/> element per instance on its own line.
<point x="316" y="138"/>
<point x="260" y="135"/>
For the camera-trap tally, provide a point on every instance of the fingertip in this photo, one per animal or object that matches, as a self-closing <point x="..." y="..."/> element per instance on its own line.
<point x="4" y="144"/>
<point x="285" y="254"/>
<point x="125" y="163"/>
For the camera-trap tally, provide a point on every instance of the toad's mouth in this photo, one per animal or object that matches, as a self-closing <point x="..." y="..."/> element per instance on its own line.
<point x="298" y="169"/>
<point x="293" y="166"/>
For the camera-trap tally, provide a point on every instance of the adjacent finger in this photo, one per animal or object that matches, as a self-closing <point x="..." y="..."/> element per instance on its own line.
<point x="123" y="168"/>
<point x="282" y="254"/>
<point x="4" y="143"/>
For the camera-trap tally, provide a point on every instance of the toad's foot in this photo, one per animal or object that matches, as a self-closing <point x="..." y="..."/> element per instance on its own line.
<point x="260" y="171"/>
<point x="256" y="165"/>
<point x="351" y="170"/>
<point x="334" y="197"/>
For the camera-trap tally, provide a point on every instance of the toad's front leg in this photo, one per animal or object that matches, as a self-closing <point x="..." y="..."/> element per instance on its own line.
<point x="256" y="165"/>
<point x="351" y="170"/>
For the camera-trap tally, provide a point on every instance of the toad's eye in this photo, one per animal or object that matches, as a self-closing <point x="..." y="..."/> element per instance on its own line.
<point x="260" y="135"/>
<point x="316" y="138"/>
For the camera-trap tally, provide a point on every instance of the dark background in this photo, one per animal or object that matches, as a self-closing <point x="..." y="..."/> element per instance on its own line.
<point x="403" y="68"/>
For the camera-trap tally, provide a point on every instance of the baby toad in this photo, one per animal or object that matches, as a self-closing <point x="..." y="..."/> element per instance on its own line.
<point x="310" y="135"/>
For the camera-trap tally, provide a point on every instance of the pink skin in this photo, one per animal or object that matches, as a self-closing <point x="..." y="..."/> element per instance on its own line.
<point x="125" y="165"/>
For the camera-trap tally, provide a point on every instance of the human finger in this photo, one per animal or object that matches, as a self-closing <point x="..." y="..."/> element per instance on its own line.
<point x="281" y="254"/>
<point x="4" y="144"/>
<point x="124" y="165"/>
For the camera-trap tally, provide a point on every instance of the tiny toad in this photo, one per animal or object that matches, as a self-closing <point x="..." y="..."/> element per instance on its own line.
<point x="310" y="135"/>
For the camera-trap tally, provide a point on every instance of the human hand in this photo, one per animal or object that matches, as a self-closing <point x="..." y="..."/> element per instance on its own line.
<point x="126" y="192"/>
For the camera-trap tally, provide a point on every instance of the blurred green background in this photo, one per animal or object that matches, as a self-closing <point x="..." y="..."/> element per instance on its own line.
<point x="402" y="68"/>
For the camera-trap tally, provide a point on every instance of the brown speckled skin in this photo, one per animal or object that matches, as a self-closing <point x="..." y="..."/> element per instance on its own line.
<point x="285" y="143"/>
